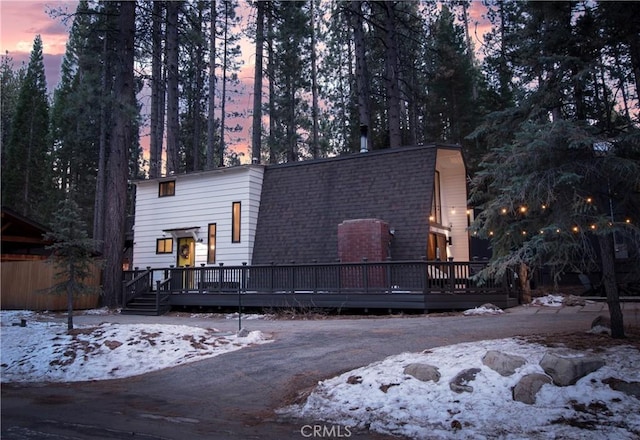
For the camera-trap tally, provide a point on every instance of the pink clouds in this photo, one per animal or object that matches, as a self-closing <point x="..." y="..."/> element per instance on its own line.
<point x="21" y="21"/>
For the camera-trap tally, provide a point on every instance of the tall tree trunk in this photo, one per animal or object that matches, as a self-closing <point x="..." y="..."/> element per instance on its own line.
<point x="610" y="285"/>
<point x="525" y="285"/>
<point x="211" y="119"/>
<point x="173" y="8"/>
<point x="256" y="134"/>
<point x="314" y="84"/>
<point x="197" y="110"/>
<point x="223" y="97"/>
<point x="120" y="143"/>
<point x="99" y="201"/>
<point x="470" y="51"/>
<point x="391" y="75"/>
<point x="157" y="89"/>
<point x="272" y="94"/>
<point x="362" y="72"/>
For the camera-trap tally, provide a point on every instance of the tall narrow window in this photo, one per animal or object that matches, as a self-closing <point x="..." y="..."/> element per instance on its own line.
<point x="166" y="189"/>
<point x="164" y="246"/>
<point x="436" y="207"/>
<point x="235" y="222"/>
<point x="211" y="249"/>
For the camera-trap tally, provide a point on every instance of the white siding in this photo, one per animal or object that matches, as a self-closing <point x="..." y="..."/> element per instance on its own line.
<point x="454" y="202"/>
<point x="200" y="199"/>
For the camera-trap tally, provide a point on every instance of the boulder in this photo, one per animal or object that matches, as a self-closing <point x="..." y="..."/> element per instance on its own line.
<point x="526" y="389"/>
<point x="566" y="368"/>
<point x="602" y="324"/>
<point x="459" y="383"/>
<point x="423" y="372"/>
<point x="572" y="300"/>
<point x="629" y="388"/>
<point x="503" y="363"/>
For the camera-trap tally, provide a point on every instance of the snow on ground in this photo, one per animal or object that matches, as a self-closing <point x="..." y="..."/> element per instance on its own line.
<point x="44" y="351"/>
<point x="382" y="398"/>
<point x="379" y="397"/>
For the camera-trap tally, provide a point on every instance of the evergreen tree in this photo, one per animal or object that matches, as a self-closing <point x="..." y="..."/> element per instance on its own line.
<point x="290" y="63"/>
<point x="123" y="139"/>
<point x="229" y="53"/>
<point x="26" y="177"/>
<point x="256" y="132"/>
<point x="561" y="181"/>
<point x="10" y="82"/>
<point x="450" y="111"/>
<point x="77" y="112"/>
<point x="71" y="253"/>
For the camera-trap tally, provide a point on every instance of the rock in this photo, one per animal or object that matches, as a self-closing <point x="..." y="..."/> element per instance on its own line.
<point x="629" y="388"/>
<point x="602" y="324"/>
<point x="490" y="306"/>
<point x="503" y="363"/>
<point x="423" y="372"/>
<point x="573" y="300"/>
<point x="526" y="389"/>
<point x="566" y="368"/>
<point x="459" y="383"/>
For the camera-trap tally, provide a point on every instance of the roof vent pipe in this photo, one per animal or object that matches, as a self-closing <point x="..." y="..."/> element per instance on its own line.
<point x="364" y="148"/>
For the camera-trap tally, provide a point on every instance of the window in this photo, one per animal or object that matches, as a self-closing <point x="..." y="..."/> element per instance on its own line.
<point x="164" y="246"/>
<point x="235" y="222"/>
<point x="211" y="247"/>
<point x="436" y="208"/>
<point x="166" y="189"/>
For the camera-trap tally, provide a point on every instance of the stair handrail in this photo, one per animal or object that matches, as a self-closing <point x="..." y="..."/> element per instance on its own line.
<point x="162" y="285"/>
<point x="138" y="285"/>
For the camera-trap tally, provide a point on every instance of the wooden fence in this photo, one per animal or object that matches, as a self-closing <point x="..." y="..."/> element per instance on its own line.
<point x="24" y="281"/>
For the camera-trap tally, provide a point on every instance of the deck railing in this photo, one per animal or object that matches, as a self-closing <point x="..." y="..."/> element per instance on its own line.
<point x="364" y="277"/>
<point x="136" y="283"/>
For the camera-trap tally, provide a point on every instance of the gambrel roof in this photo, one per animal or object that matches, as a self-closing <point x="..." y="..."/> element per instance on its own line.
<point x="303" y="203"/>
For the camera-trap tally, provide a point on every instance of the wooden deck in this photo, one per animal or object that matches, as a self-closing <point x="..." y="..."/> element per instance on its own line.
<point x="408" y="285"/>
<point x="341" y="301"/>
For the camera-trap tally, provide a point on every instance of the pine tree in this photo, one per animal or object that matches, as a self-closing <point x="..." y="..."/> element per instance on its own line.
<point x="71" y="253"/>
<point x="122" y="140"/>
<point x="561" y="181"/>
<point x="77" y="112"/>
<point x="26" y="178"/>
<point x="290" y="64"/>
<point x="10" y="81"/>
<point x="256" y="132"/>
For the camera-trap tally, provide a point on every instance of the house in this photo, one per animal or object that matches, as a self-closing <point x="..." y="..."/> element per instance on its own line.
<point x="304" y="212"/>
<point x="25" y="272"/>
<point x="195" y="219"/>
<point x="22" y="238"/>
<point x="376" y="230"/>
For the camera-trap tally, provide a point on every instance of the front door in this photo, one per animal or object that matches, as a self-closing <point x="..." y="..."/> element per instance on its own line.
<point x="186" y="252"/>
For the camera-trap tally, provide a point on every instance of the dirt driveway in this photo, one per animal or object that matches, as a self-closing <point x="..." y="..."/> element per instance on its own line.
<point x="234" y="396"/>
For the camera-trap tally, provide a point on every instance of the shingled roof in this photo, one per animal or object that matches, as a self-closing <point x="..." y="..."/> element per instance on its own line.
<point x="303" y="203"/>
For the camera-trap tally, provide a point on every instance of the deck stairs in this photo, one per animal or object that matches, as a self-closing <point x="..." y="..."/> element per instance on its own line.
<point x="145" y="304"/>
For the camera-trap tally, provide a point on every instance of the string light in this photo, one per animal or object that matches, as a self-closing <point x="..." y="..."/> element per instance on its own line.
<point x="523" y="209"/>
<point x="504" y="210"/>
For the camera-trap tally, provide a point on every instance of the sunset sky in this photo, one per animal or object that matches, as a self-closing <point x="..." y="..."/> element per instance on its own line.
<point x="21" y="21"/>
